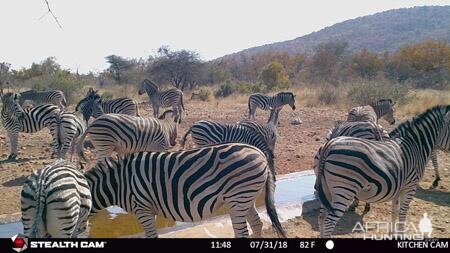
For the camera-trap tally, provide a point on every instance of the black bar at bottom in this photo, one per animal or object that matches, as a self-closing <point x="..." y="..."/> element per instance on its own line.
<point x="227" y="245"/>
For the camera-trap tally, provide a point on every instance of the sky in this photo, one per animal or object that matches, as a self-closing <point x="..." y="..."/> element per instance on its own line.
<point x="93" y="29"/>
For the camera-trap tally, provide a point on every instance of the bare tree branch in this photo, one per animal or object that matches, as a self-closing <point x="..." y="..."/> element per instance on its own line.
<point x="51" y="13"/>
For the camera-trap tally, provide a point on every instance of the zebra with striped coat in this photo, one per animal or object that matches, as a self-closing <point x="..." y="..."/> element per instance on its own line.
<point x="265" y="102"/>
<point x="126" y="134"/>
<point x="374" y="171"/>
<point x="70" y="126"/>
<point x="383" y="108"/>
<point x="169" y="98"/>
<point x="188" y="186"/>
<point x="15" y="120"/>
<point x="56" y="202"/>
<point x="55" y="97"/>
<point x="97" y="106"/>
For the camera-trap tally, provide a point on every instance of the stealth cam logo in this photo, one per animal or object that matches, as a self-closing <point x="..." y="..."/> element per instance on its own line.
<point x="20" y="242"/>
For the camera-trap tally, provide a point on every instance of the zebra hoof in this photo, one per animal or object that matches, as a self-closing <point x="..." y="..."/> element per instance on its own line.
<point x="12" y="157"/>
<point x="435" y="183"/>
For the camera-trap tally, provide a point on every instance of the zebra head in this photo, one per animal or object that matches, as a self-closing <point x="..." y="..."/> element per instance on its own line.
<point x="147" y="86"/>
<point x="385" y="108"/>
<point x="11" y="106"/>
<point x="288" y="98"/>
<point x="97" y="109"/>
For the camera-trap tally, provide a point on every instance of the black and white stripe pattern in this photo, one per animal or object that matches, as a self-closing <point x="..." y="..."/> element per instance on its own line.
<point x="126" y="134"/>
<point x="99" y="106"/>
<point x="56" y="202"/>
<point x="169" y="98"/>
<point x="208" y="132"/>
<point x="15" y="120"/>
<point x="266" y="102"/>
<point x="381" y="108"/>
<point x="55" y="97"/>
<point x="374" y="171"/>
<point x="187" y="186"/>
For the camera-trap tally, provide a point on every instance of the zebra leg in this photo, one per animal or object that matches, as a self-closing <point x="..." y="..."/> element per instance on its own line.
<point x="394" y="214"/>
<point x="13" y="141"/>
<point x="147" y="220"/>
<point x="436" y="170"/>
<point x="353" y="206"/>
<point x="321" y="219"/>
<point x="366" y="209"/>
<point x="238" y="213"/>
<point x="155" y="111"/>
<point x="405" y="200"/>
<point x="255" y="221"/>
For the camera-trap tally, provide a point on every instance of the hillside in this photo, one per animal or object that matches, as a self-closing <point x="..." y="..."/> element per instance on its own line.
<point x="384" y="31"/>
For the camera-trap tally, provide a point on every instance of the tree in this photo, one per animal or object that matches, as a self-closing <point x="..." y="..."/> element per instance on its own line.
<point x="274" y="75"/>
<point x="117" y="67"/>
<point x="327" y="56"/>
<point x="183" y="68"/>
<point x="366" y="64"/>
<point x="5" y="74"/>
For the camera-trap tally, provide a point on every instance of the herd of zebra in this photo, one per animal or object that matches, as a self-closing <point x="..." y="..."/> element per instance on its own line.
<point x="231" y="164"/>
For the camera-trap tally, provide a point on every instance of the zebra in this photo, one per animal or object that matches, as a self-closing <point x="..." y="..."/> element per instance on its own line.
<point x="98" y="106"/>
<point x="373" y="112"/>
<point x="208" y="132"/>
<point x="56" y="202"/>
<point x="269" y="102"/>
<point x="55" y="97"/>
<point x="375" y="171"/>
<point x="70" y="126"/>
<point x="188" y="186"/>
<point x="126" y="134"/>
<point x="169" y="98"/>
<point x="15" y="119"/>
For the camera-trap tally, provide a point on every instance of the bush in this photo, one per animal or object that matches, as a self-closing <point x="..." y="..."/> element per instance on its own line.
<point x="60" y="80"/>
<point x="202" y="95"/>
<point x="367" y="92"/>
<point x="107" y="95"/>
<point x="328" y="95"/>
<point x="225" y="89"/>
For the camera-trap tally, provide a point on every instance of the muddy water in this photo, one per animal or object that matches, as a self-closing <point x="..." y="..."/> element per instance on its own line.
<point x="293" y="188"/>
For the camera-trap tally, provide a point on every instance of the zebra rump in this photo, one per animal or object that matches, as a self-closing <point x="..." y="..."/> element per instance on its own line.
<point x="56" y="202"/>
<point x="188" y="186"/>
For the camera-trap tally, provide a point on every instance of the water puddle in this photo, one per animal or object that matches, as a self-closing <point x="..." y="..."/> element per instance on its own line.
<point x="291" y="190"/>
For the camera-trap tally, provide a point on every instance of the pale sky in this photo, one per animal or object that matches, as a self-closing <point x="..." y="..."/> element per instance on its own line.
<point x="93" y="29"/>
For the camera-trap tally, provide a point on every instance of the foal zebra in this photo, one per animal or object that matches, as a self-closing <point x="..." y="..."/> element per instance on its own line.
<point x="169" y="98"/>
<point x="16" y="120"/>
<point x="373" y="112"/>
<point x="265" y="102"/>
<point x="126" y="134"/>
<point x="374" y="171"/>
<point x="188" y="186"/>
<point x="55" y="97"/>
<point x="96" y="106"/>
<point x="56" y="202"/>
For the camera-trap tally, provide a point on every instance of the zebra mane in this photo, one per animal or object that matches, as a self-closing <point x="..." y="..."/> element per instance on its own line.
<point x="149" y="83"/>
<point x="62" y="162"/>
<point x="285" y="93"/>
<point x="28" y="92"/>
<point x="417" y="120"/>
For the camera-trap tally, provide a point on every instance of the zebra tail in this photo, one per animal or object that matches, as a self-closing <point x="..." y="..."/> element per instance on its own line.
<point x="79" y="146"/>
<point x="183" y="140"/>
<point x="58" y="131"/>
<point x="64" y="101"/>
<point x="182" y="104"/>
<point x="321" y="186"/>
<point x="38" y="229"/>
<point x="270" y="202"/>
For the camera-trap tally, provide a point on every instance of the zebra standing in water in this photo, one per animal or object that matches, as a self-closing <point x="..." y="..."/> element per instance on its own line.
<point x="373" y="112"/>
<point x="374" y="171"/>
<point x="188" y="186"/>
<point x="169" y="98"/>
<point x="97" y="106"/>
<point x="126" y="134"/>
<point x="56" y="202"/>
<point x="16" y="120"/>
<point x="55" y="97"/>
<point x="70" y="126"/>
<point x="265" y="102"/>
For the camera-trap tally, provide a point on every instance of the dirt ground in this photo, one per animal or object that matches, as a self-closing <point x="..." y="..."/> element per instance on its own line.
<point x="295" y="149"/>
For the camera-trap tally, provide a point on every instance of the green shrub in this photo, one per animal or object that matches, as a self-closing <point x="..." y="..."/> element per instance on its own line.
<point x="369" y="91"/>
<point x="60" y="80"/>
<point x="226" y="89"/>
